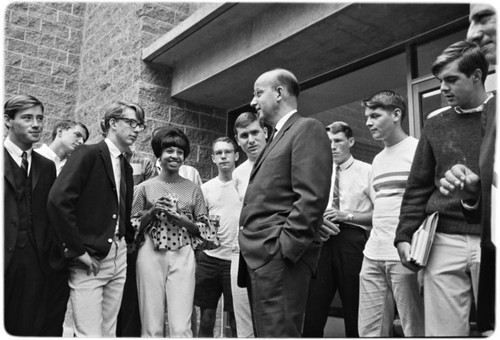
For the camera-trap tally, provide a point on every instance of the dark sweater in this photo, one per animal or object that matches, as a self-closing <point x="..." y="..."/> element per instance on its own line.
<point x="447" y="139"/>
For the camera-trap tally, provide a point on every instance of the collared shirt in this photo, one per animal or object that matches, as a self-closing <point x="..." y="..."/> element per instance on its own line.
<point x="47" y="152"/>
<point x="283" y="120"/>
<point x="117" y="171"/>
<point x="480" y="108"/>
<point x="16" y="153"/>
<point x="355" y="194"/>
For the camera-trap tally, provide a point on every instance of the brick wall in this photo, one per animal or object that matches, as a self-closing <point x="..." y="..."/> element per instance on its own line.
<point x="42" y="55"/>
<point x="112" y="69"/>
<point x="79" y="57"/>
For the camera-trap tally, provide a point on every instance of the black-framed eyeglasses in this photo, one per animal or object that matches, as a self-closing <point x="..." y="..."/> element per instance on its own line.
<point x="221" y="152"/>
<point x="133" y="123"/>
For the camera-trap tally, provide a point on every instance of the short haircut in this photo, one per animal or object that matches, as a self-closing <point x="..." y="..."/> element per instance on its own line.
<point x="20" y="102"/>
<point x="115" y="110"/>
<point x="83" y="126"/>
<point x="245" y="119"/>
<point x="288" y="80"/>
<point x="225" y="140"/>
<point x="469" y="56"/>
<point x="165" y="137"/>
<point x="68" y="124"/>
<point x="338" y="126"/>
<point x="387" y="100"/>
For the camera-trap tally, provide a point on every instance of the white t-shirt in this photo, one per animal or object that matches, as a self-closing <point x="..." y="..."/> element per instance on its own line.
<point x="222" y="199"/>
<point x="241" y="176"/>
<point x="390" y="170"/>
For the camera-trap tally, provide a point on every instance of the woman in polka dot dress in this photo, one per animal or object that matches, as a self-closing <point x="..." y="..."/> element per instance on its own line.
<point x="171" y="220"/>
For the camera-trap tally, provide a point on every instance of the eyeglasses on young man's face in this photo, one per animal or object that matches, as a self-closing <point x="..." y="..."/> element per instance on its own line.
<point x="133" y="123"/>
<point x="222" y="152"/>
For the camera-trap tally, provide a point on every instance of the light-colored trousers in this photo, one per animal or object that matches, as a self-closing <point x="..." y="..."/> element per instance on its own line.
<point x="382" y="285"/>
<point x="241" y="304"/>
<point x="96" y="299"/>
<point x="165" y="282"/>
<point x="450" y="284"/>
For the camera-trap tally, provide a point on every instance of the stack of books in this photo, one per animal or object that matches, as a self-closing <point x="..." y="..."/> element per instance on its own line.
<point x="421" y="241"/>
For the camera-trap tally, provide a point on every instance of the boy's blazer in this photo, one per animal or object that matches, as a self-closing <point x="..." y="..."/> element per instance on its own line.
<point x="83" y="203"/>
<point x="43" y="174"/>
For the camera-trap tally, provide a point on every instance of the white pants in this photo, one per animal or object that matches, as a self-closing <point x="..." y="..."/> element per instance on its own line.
<point x="96" y="299"/>
<point x="381" y="284"/>
<point x="165" y="282"/>
<point x="450" y="284"/>
<point x="241" y="304"/>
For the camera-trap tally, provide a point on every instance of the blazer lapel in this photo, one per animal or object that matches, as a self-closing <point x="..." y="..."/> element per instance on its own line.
<point x="8" y="174"/>
<point x="273" y="143"/>
<point x="106" y="157"/>
<point x="34" y="169"/>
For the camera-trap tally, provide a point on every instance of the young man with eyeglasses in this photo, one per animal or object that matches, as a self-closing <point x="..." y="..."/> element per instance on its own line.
<point x="213" y="267"/>
<point x="89" y="206"/>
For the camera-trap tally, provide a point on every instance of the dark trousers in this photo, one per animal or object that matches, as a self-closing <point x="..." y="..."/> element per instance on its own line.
<point x="129" y="319"/>
<point x="338" y="269"/>
<point x="24" y="293"/>
<point x="57" y="301"/>
<point x="278" y="296"/>
<point x="486" y="295"/>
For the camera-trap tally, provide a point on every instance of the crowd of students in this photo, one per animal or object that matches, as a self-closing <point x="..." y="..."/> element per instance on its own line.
<point x="134" y="244"/>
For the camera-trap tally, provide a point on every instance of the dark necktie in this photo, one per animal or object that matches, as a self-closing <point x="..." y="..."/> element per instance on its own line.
<point x="24" y="163"/>
<point x="123" y="195"/>
<point x="336" y="199"/>
<point x="271" y="137"/>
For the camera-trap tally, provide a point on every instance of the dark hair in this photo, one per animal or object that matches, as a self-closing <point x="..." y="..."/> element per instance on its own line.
<point x="225" y="140"/>
<point x="337" y="127"/>
<point x="165" y="137"/>
<point x="245" y="119"/>
<point x="83" y="126"/>
<point x="115" y="110"/>
<point x="20" y="102"/>
<point x="387" y="100"/>
<point x="68" y="124"/>
<point x="469" y="56"/>
<point x="288" y="80"/>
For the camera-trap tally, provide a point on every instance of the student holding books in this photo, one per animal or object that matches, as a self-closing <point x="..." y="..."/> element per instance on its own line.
<point x="452" y="136"/>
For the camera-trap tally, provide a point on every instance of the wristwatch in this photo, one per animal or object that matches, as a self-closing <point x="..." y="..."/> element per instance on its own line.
<point x="350" y="217"/>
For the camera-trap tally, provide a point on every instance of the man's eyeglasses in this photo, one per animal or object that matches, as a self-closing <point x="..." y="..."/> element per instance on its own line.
<point x="133" y="123"/>
<point x="221" y="152"/>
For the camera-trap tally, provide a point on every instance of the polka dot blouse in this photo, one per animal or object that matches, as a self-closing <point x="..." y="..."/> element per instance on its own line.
<point x="165" y="234"/>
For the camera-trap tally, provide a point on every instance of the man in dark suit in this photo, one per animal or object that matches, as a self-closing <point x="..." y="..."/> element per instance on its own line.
<point x="89" y="206"/>
<point x="28" y="177"/>
<point x="283" y="209"/>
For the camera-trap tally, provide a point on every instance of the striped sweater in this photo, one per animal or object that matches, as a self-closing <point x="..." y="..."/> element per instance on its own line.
<point x="390" y="170"/>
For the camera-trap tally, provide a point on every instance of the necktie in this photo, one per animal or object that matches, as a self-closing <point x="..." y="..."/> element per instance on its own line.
<point x="271" y="137"/>
<point x="123" y="195"/>
<point x="335" y="202"/>
<point x="24" y="163"/>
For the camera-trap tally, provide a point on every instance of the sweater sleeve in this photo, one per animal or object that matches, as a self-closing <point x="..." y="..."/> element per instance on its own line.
<point x="419" y="188"/>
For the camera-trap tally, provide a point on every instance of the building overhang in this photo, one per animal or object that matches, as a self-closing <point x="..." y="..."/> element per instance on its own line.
<point x="217" y="53"/>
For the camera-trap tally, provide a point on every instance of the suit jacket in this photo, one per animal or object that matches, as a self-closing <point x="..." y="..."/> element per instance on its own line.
<point x="486" y="292"/>
<point x="43" y="174"/>
<point x="287" y="195"/>
<point x="83" y="203"/>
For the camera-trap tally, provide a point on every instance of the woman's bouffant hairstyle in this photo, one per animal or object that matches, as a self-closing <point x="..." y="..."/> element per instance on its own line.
<point x="165" y="137"/>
